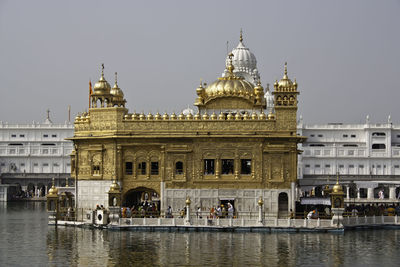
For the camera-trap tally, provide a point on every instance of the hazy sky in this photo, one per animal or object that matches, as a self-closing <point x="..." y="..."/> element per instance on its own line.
<point x="344" y="54"/>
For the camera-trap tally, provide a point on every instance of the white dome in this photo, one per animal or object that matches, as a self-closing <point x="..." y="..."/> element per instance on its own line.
<point x="243" y="58"/>
<point x="188" y="111"/>
<point x="245" y="63"/>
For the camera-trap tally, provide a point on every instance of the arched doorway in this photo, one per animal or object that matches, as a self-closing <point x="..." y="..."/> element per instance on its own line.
<point x="143" y="202"/>
<point x="283" y="205"/>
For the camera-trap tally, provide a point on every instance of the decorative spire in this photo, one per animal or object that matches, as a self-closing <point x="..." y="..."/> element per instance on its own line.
<point x="230" y="66"/>
<point x="241" y="36"/>
<point x="116" y="84"/>
<point x="285" y="76"/>
<point x="48" y="114"/>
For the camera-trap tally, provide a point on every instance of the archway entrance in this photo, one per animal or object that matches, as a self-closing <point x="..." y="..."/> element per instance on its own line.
<point x="142" y="202"/>
<point x="283" y="205"/>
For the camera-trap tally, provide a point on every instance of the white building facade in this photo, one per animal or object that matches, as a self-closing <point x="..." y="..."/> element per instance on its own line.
<point x="32" y="154"/>
<point x="365" y="156"/>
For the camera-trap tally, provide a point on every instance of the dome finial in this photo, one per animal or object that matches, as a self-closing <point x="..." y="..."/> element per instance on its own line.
<point x="116" y="84"/>
<point x="102" y="70"/>
<point x="241" y="35"/>
<point x="230" y="66"/>
<point x="285" y="68"/>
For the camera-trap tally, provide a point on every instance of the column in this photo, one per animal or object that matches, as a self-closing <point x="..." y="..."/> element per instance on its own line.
<point x="347" y="192"/>
<point x="370" y="193"/>
<point x="358" y="193"/>
<point x="217" y="167"/>
<point x="392" y="192"/>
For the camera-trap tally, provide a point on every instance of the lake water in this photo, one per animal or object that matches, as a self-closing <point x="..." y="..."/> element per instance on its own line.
<point x="27" y="240"/>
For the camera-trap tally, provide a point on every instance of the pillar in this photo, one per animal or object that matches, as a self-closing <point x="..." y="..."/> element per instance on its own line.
<point x="358" y="193"/>
<point x="347" y="192"/>
<point x="392" y="192"/>
<point x="370" y="193"/>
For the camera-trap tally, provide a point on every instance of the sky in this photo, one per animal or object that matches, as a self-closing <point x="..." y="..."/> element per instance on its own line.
<point x="344" y="54"/>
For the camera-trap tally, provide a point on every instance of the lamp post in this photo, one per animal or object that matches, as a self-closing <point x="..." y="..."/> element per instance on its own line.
<point x="187" y="220"/>
<point x="260" y="213"/>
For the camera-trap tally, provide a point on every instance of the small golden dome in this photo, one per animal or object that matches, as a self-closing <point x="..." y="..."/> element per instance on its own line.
<point x="189" y="116"/>
<point x="188" y="201"/>
<point x="102" y="86"/>
<point x="149" y="116"/>
<point x="238" y="116"/>
<point x="262" y="116"/>
<point x="285" y="81"/>
<point x="260" y="202"/>
<point x="246" y="116"/>
<point x="53" y="190"/>
<point x="221" y="116"/>
<point x="205" y="116"/>
<point x="197" y="116"/>
<point x="157" y="117"/>
<point x="116" y="91"/>
<point x="173" y="116"/>
<point x="181" y="117"/>
<point x="114" y="188"/>
<point x="337" y="188"/>
<point x="271" y="116"/>
<point x="165" y="116"/>
<point x="213" y="116"/>
<point x="229" y="116"/>
<point x="142" y="117"/>
<point x="134" y="116"/>
<point x="254" y="116"/>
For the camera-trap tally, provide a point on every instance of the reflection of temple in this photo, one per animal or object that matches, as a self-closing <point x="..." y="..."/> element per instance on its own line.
<point x="235" y="148"/>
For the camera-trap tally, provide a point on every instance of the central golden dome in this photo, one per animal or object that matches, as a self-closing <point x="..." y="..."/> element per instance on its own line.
<point x="230" y="85"/>
<point x="235" y="87"/>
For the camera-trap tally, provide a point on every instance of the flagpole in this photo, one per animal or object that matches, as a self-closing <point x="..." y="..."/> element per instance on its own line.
<point x="90" y="91"/>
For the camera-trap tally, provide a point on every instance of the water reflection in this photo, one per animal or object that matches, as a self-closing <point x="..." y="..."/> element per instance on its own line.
<point x="27" y="240"/>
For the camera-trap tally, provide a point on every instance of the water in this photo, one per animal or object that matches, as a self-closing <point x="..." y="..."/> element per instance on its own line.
<point x="26" y="240"/>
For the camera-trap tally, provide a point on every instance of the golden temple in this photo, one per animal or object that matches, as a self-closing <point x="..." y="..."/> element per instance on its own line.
<point x="235" y="149"/>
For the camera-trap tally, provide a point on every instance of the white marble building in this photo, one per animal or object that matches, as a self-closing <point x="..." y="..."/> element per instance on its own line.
<point x="32" y="154"/>
<point x="366" y="156"/>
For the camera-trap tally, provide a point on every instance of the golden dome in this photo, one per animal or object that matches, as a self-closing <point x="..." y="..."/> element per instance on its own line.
<point x="337" y="188"/>
<point x="197" y="116"/>
<point x="157" y="117"/>
<point x="229" y="87"/>
<point x="53" y="190"/>
<point x="262" y="116"/>
<point x="102" y="86"/>
<point x="116" y="91"/>
<point x="271" y="116"/>
<point x="213" y="116"/>
<point x="165" y="116"/>
<point x="114" y="188"/>
<point x="285" y="81"/>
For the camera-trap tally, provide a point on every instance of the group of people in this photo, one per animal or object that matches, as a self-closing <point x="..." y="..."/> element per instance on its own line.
<point x="222" y="211"/>
<point x="373" y="209"/>
<point x="145" y="209"/>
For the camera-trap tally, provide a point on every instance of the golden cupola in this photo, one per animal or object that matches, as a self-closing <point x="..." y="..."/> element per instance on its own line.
<point x="285" y="94"/>
<point x="285" y="84"/>
<point x="117" y="94"/>
<point x="102" y="86"/>
<point x="229" y="92"/>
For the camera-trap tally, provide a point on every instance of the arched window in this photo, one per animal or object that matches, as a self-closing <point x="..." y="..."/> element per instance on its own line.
<point x="179" y="167"/>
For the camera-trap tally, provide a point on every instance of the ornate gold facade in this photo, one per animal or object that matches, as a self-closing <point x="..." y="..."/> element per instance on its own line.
<point x="231" y="149"/>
